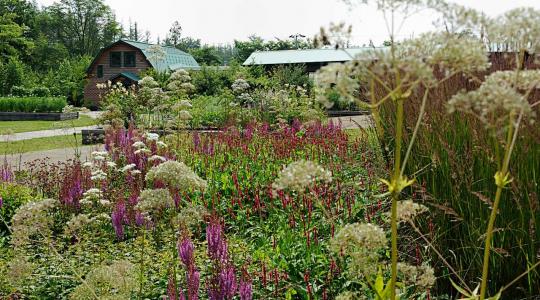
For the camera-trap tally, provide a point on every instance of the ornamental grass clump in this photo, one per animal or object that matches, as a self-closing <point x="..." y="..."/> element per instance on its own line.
<point x="404" y="81"/>
<point x="411" y="67"/>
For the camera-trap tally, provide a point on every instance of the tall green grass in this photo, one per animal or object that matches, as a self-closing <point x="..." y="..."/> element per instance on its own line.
<point x="454" y="162"/>
<point x="32" y="104"/>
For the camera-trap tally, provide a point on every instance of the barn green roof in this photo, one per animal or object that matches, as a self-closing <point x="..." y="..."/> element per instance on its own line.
<point x="128" y="75"/>
<point x="304" y="56"/>
<point x="173" y="60"/>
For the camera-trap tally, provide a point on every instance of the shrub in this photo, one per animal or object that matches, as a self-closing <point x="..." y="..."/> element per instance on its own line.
<point x="32" y="104"/>
<point x="209" y="111"/>
<point x="13" y="196"/>
<point x="41" y="91"/>
<point x="20" y="91"/>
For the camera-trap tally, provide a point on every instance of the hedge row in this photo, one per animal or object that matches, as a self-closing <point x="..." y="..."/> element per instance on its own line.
<point x="32" y="104"/>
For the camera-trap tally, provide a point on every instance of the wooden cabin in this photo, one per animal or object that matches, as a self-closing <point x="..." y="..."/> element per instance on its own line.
<point x="124" y="60"/>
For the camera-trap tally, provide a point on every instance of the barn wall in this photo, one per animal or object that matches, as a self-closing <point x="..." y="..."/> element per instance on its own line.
<point x="91" y="93"/>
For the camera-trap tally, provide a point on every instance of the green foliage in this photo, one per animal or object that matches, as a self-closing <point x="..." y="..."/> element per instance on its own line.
<point x="32" y="104"/>
<point x="68" y="79"/>
<point x="206" y="56"/>
<point x="292" y="75"/>
<point x="87" y="25"/>
<point x="14" y="43"/>
<point x="210" y="81"/>
<point x="210" y="111"/>
<point x="13" y="196"/>
<point x="21" y="91"/>
<point x="11" y="74"/>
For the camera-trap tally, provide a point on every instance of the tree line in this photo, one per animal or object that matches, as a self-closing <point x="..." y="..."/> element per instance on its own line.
<point x="49" y="48"/>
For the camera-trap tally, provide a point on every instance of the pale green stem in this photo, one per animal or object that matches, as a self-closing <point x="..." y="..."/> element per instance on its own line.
<point x="510" y="142"/>
<point x="395" y="195"/>
<point x="415" y="132"/>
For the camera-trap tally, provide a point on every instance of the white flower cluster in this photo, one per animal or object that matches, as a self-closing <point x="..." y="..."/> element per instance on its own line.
<point x="180" y="75"/>
<point x="452" y="53"/>
<point x="104" y="85"/>
<point x="519" y="28"/>
<point x="154" y="200"/>
<point x="240" y="86"/>
<point x="496" y="99"/>
<point x="336" y="76"/>
<point x="80" y="221"/>
<point x="33" y="218"/>
<point x="180" y="81"/>
<point x="148" y="82"/>
<point x="157" y="158"/>
<point x="176" y="175"/>
<point x="182" y="105"/>
<point x="422" y="277"/>
<point x="127" y="168"/>
<point x="98" y="175"/>
<point x="94" y="196"/>
<point x="361" y="242"/>
<point x="139" y="145"/>
<point x="184" y="115"/>
<point x="151" y="136"/>
<point x="299" y="175"/>
<point x="116" y="281"/>
<point x="407" y="210"/>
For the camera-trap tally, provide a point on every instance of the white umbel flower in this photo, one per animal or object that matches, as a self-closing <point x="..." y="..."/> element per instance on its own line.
<point x="299" y="175"/>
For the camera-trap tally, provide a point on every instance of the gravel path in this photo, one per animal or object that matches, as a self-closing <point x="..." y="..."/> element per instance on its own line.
<point x="17" y="161"/>
<point x="354" y="122"/>
<point x="42" y="133"/>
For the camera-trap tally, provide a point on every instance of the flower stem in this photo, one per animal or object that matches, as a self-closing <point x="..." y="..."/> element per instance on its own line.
<point x="510" y="141"/>
<point x="395" y="195"/>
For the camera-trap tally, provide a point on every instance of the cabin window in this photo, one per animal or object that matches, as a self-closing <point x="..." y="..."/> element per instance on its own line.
<point x="100" y="71"/>
<point x="116" y="59"/>
<point x="129" y="59"/>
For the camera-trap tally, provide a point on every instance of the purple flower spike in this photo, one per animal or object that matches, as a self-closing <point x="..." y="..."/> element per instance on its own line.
<point x="6" y="175"/>
<point x="193" y="285"/>
<point x="217" y="246"/>
<point x="139" y="219"/>
<point x="117" y="218"/>
<point x="246" y="292"/>
<point x="227" y="282"/>
<point x="196" y="140"/>
<point x="185" y="252"/>
<point x="1" y="202"/>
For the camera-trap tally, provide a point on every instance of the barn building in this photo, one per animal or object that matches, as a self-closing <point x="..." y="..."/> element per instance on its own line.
<point x="312" y="59"/>
<point x="124" y="60"/>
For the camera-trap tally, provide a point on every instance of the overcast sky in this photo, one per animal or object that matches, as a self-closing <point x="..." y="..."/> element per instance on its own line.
<point x="222" y="21"/>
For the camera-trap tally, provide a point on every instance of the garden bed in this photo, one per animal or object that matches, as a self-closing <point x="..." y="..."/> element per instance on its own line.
<point x="346" y="113"/>
<point x="41" y="116"/>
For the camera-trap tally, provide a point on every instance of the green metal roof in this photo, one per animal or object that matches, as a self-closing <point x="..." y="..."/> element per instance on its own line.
<point x="304" y="56"/>
<point x="128" y="75"/>
<point x="174" y="59"/>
